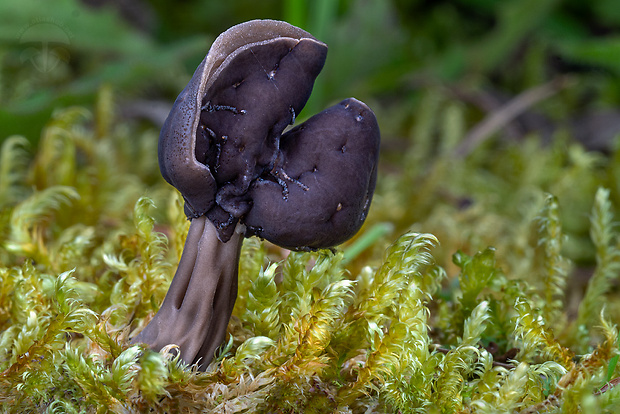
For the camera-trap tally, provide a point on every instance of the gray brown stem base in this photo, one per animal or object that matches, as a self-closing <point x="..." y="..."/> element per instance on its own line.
<point x="200" y="300"/>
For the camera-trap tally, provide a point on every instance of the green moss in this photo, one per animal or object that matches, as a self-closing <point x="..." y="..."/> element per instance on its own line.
<point x="87" y="251"/>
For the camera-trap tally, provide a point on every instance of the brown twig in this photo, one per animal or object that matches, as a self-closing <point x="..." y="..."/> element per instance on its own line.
<point x="608" y="386"/>
<point x="501" y="117"/>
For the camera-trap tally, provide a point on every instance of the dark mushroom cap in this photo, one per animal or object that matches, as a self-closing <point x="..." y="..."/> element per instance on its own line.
<point x="246" y="109"/>
<point x="334" y="156"/>
<point x="222" y="144"/>
<point x="236" y="74"/>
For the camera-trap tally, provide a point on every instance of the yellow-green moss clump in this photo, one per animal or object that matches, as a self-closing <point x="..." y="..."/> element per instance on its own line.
<point x="90" y="237"/>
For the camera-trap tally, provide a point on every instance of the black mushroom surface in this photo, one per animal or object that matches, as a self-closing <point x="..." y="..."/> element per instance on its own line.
<point x="332" y="158"/>
<point x="224" y="149"/>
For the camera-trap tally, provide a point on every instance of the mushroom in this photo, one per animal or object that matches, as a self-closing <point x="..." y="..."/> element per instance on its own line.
<point x="224" y="148"/>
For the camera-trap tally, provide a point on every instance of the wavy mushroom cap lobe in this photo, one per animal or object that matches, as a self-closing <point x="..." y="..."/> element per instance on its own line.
<point x="247" y="108"/>
<point x="334" y="156"/>
<point x="177" y="142"/>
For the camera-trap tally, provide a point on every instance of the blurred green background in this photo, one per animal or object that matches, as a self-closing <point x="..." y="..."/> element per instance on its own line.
<point x="483" y="52"/>
<point x="484" y="105"/>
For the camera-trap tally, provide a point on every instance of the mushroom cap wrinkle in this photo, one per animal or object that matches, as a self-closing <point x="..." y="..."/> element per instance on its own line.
<point x="224" y="149"/>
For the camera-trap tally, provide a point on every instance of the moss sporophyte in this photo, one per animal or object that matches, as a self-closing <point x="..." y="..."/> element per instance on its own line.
<point x="224" y="148"/>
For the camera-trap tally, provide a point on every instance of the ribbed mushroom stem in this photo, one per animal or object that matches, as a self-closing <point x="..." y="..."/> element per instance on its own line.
<point x="200" y="300"/>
